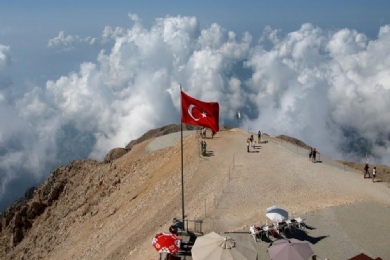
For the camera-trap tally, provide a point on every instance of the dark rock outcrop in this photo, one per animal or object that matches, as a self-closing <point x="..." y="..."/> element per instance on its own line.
<point x="115" y="154"/>
<point x="29" y="193"/>
<point x="19" y="217"/>
<point x="293" y="141"/>
<point x="36" y="208"/>
<point x="159" y="132"/>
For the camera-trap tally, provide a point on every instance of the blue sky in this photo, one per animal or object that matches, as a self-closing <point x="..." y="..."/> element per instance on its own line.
<point x="89" y="16"/>
<point x="78" y="78"/>
<point x="26" y="25"/>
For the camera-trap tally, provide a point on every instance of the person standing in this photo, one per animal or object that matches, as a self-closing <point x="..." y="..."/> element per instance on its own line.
<point x="314" y="155"/>
<point x="311" y="153"/>
<point x="366" y="171"/>
<point x="373" y="174"/>
<point x="173" y="229"/>
<point x="259" y="136"/>
<point x="247" y="144"/>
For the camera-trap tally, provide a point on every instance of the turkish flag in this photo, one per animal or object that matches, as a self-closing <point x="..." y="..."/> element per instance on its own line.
<point x="196" y="112"/>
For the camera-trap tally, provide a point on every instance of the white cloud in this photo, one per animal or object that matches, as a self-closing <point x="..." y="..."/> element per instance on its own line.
<point x="4" y="56"/>
<point x="68" y="42"/>
<point x="327" y="88"/>
<point x="109" y="33"/>
<point x="317" y="85"/>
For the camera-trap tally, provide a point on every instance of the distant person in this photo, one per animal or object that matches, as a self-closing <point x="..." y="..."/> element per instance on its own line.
<point x="366" y="167"/>
<point x="314" y="155"/>
<point x="248" y="142"/>
<point x="251" y="138"/>
<point x="203" y="147"/>
<point x="373" y="174"/>
<point x="254" y="230"/>
<point x="259" y="136"/>
<point x="311" y="153"/>
<point x="173" y="229"/>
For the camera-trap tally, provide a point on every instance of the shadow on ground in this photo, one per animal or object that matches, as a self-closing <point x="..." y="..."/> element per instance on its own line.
<point x="186" y="245"/>
<point x="208" y="154"/>
<point x="303" y="236"/>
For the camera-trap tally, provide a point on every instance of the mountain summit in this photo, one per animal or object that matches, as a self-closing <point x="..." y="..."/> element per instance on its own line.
<point x="112" y="209"/>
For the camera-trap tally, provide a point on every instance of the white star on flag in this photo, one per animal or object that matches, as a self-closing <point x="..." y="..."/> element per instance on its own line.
<point x="204" y="114"/>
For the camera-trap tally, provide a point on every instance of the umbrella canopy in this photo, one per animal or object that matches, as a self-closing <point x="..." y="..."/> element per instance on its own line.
<point x="216" y="247"/>
<point x="166" y="243"/>
<point x="277" y="214"/>
<point x="290" y="249"/>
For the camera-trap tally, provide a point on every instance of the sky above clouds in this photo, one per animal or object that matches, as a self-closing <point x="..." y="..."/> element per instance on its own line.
<point x="78" y="78"/>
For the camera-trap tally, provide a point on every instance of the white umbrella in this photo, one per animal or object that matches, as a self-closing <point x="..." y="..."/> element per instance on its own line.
<point x="277" y="214"/>
<point x="216" y="247"/>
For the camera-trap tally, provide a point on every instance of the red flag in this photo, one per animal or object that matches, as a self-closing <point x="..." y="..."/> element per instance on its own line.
<point x="196" y="112"/>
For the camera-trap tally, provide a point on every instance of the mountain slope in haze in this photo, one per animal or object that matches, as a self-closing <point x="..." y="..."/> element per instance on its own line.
<point x="92" y="210"/>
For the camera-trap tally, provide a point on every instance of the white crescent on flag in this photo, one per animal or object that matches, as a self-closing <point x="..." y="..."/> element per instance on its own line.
<point x="190" y="112"/>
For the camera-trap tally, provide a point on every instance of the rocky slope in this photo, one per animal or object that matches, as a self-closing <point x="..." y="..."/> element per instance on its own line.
<point x="44" y="218"/>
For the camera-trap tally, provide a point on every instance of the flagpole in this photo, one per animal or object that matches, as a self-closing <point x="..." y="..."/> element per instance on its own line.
<point x="182" y="175"/>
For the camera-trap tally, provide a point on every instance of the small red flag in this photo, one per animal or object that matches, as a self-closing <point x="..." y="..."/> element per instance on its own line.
<point x="196" y="112"/>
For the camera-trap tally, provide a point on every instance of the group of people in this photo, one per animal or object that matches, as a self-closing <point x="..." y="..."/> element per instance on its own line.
<point x="203" y="133"/>
<point x="277" y="228"/>
<point x="203" y="143"/>
<point x="251" y="141"/>
<point x="256" y="230"/>
<point x="313" y="155"/>
<point x="367" y="172"/>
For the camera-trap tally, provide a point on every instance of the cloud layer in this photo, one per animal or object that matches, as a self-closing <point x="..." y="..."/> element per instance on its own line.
<point x="328" y="88"/>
